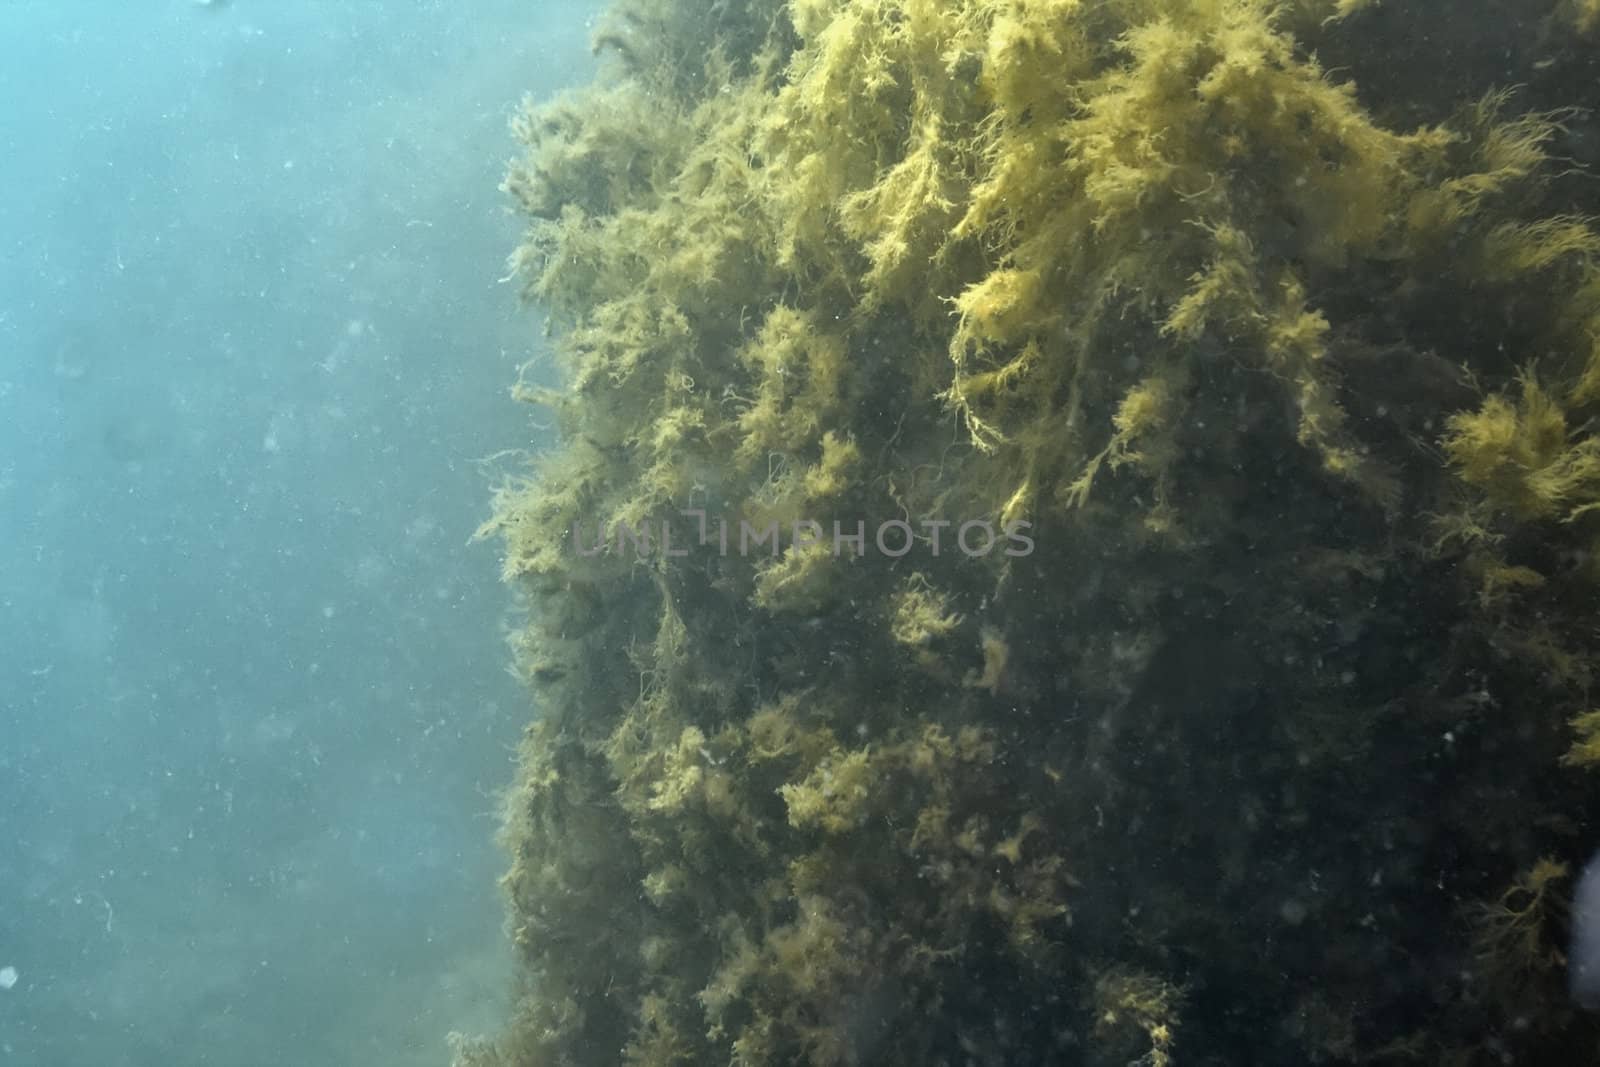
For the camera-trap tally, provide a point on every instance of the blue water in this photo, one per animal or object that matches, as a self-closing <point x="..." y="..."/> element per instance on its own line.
<point x="253" y="708"/>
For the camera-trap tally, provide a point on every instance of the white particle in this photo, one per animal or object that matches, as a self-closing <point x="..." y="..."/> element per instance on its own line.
<point x="8" y="977"/>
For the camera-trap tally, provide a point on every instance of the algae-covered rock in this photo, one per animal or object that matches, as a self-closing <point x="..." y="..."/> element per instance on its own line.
<point x="1073" y="536"/>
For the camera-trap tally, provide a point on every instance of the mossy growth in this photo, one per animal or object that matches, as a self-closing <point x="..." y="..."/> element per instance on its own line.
<point x="1287" y="362"/>
<point x="1585" y="750"/>
<point x="1136" y="1018"/>
<point x="1582" y="15"/>
<point x="1518" y="955"/>
<point x="1524" y="458"/>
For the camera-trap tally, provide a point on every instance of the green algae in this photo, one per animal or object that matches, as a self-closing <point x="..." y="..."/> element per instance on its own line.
<point x="1258" y="753"/>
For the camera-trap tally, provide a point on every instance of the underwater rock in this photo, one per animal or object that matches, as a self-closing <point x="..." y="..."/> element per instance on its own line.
<point x="1300" y="403"/>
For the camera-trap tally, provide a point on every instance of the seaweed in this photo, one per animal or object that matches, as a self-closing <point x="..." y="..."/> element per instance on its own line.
<point x="1295" y="389"/>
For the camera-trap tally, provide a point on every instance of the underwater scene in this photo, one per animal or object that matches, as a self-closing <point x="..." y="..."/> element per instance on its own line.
<point x="1027" y="531"/>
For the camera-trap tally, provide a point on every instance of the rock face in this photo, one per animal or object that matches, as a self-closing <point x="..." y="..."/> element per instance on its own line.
<point x="1072" y="538"/>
